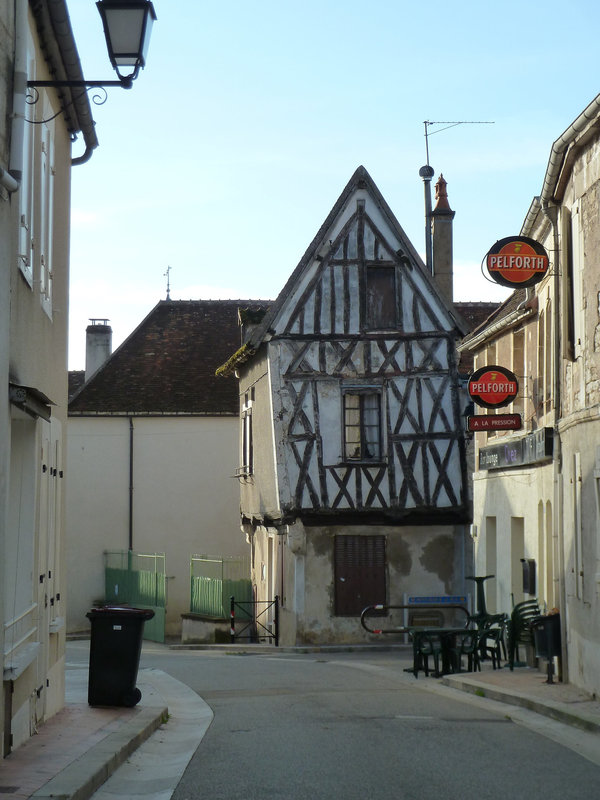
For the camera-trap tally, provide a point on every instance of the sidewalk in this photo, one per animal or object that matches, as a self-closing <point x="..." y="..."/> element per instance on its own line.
<point x="76" y="751"/>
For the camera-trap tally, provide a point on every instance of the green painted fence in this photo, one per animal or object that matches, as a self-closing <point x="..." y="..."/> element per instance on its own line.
<point x="138" y="579"/>
<point x="214" y="580"/>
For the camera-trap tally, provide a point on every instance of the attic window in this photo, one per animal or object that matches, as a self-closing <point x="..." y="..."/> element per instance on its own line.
<point x="381" y="297"/>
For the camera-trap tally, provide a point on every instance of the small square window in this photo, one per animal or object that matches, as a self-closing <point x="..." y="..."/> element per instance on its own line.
<point x="362" y="426"/>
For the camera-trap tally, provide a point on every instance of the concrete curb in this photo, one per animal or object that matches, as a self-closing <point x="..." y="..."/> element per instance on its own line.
<point x="81" y="778"/>
<point x="548" y="708"/>
<point x="268" y="649"/>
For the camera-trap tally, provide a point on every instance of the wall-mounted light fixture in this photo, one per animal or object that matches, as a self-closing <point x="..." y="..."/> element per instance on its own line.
<point x="127" y="28"/>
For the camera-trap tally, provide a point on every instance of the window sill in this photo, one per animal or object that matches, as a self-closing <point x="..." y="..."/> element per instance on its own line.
<point x="364" y="462"/>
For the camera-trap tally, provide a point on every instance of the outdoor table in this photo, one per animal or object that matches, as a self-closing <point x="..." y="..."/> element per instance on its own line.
<point x="447" y="637"/>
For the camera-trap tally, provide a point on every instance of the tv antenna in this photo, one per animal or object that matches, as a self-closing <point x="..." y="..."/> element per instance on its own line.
<point x="168" y="277"/>
<point x="429" y="123"/>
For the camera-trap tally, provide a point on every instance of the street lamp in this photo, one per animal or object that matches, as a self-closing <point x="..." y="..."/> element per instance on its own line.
<point x="127" y="27"/>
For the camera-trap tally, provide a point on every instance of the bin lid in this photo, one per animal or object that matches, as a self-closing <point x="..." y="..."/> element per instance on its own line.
<point x="120" y="611"/>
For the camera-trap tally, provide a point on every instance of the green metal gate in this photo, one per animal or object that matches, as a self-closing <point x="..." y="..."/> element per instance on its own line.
<point x="138" y="579"/>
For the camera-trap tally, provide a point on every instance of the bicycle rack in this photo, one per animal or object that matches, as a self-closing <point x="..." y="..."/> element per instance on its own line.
<point x="404" y="628"/>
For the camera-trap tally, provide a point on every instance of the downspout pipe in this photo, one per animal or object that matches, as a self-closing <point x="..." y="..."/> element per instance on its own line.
<point x="550" y="211"/>
<point x="130" y="537"/>
<point x="7" y="180"/>
<point x="11" y="178"/>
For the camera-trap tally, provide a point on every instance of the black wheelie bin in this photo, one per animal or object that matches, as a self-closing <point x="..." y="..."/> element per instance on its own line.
<point x="546" y="636"/>
<point x="115" y="647"/>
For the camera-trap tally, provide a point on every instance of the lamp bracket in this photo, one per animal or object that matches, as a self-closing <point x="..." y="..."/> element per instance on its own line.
<point x="125" y="82"/>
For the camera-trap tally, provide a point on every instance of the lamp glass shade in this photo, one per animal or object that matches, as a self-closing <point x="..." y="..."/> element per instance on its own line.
<point x="127" y="28"/>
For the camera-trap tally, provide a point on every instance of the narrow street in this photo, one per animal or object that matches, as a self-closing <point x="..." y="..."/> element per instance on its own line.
<point x="354" y="725"/>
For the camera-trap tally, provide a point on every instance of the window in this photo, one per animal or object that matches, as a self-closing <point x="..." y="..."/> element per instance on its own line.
<point x="362" y="426"/>
<point x="577" y="288"/>
<point x="36" y="197"/>
<point x="568" y="315"/>
<point x="46" y="194"/>
<point x="518" y="367"/>
<point x="381" y="298"/>
<point x="548" y="359"/>
<point x="247" y="467"/>
<point x="26" y="195"/>
<point x="359" y="573"/>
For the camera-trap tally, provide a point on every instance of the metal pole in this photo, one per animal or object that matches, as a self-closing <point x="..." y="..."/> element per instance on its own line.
<point x="427" y="174"/>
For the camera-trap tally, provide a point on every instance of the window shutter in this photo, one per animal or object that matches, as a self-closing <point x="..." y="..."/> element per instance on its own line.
<point x="359" y="573"/>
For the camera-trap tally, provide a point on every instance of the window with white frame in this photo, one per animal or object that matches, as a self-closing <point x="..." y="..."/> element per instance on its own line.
<point x="518" y="367"/>
<point x="36" y="198"/>
<point x="26" y="194"/>
<point x="578" y="293"/>
<point x="247" y="466"/>
<point x="46" y="195"/>
<point x="362" y="425"/>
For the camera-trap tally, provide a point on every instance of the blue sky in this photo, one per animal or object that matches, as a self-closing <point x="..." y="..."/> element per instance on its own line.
<point x="231" y="148"/>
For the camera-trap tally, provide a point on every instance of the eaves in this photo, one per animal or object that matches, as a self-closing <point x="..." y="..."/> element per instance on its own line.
<point x="524" y="311"/>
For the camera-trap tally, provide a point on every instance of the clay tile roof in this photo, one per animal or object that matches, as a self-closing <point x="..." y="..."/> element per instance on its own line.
<point x="475" y="314"/>
<point x="167" y="365"/>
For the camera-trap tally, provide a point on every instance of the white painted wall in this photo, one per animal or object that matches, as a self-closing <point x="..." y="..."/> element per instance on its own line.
<point x="501" y="500"/>
<point x="185" y="500"/>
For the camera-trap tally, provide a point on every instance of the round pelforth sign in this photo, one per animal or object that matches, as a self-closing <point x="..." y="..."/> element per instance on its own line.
<point x="493" y="387"/>
<point x="517" y="261"/>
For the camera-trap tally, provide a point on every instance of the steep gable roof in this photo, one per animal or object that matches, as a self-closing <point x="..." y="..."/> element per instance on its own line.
<point x="360" y="180"/>
<point x="360" y="226"/>
<point x="167" y="365"/>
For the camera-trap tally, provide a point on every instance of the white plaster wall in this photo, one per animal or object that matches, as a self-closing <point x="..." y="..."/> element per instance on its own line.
<point x="503" y="495"/>
<point x="185" y="500"/>
<point x="97" y="507"/>
<point x="259" y="491"/>
<point x="582" y="554"/>
<point x="33" y="352"/>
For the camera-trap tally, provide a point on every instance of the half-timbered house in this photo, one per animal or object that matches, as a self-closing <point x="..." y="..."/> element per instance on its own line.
<point x="353" y="470"/>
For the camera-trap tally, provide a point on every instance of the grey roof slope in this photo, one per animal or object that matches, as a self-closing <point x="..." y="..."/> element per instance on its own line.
<point x="167" y="365"/>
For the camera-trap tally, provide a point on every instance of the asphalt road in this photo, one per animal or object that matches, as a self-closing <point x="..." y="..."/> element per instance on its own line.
<point x="355" y="726"/>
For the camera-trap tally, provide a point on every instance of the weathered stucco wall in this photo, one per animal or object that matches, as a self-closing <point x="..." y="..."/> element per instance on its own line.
<point x="420" y="561"/>
<point x="258" y="491"/>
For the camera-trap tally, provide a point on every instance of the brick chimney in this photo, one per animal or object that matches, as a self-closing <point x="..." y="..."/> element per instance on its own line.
<point x="441" y="232"/>
<point x="98" y="345"/>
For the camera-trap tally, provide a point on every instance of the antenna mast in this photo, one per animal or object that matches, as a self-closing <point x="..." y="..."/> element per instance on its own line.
<point x="427" y="172"/>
